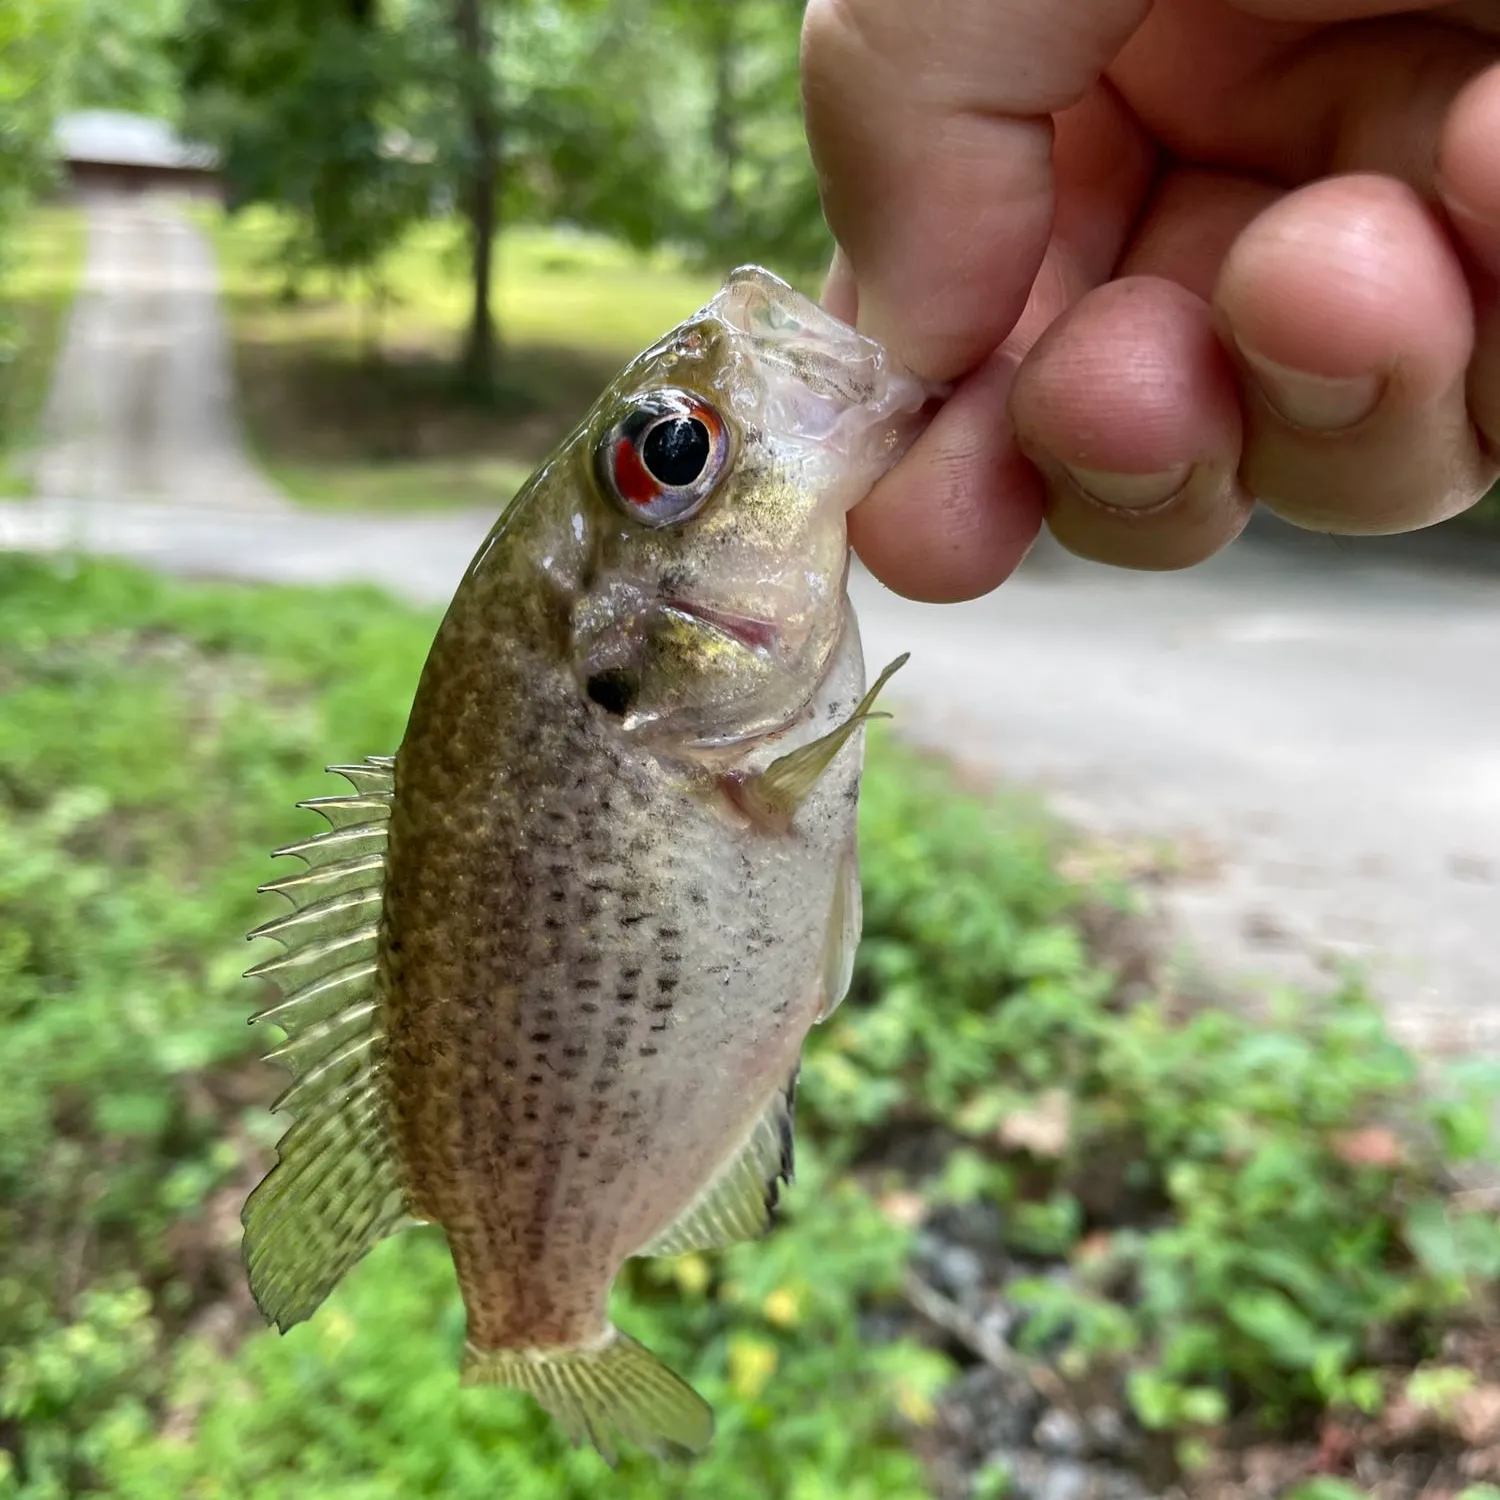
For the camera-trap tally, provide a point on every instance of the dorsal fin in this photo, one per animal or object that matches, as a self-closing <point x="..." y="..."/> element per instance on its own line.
<point x="335" y="1190"/>
<point x="739" y="1201"/>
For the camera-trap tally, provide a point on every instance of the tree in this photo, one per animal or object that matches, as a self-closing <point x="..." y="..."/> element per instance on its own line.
<point x="481" y="186"/>
<point x="36" y="55"/>
<point x="126" y="63"/>
<point x="306" y="101"/>
<point x="659" y="121"/>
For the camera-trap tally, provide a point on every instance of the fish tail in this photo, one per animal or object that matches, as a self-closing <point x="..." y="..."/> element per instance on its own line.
<point x="615" y="1387"/>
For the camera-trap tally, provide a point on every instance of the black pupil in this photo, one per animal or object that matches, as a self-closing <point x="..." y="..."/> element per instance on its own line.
<point x="676" y="451"/>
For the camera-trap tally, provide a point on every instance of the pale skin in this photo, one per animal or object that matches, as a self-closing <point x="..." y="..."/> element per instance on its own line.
<point x="1175" y="259"/>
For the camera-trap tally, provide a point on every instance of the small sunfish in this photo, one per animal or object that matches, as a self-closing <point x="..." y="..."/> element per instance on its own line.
<point x="548" y="974"/>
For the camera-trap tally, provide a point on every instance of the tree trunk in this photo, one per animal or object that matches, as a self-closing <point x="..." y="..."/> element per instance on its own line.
<point x="476" y="46"/>
<point x="724" y="131"/>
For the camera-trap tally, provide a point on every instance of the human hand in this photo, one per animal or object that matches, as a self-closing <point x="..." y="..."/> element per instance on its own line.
<point x="1177" y="257"/>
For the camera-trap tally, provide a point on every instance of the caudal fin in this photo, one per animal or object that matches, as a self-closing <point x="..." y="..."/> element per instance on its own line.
<point x="616" y="1388"/>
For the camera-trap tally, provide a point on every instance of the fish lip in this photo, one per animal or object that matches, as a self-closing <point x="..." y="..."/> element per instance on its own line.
<point x="757" y="634"/>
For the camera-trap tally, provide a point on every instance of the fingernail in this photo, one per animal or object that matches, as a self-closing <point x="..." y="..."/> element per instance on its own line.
<point x="1320" y="403"/>
<point x="1130" y="491"/>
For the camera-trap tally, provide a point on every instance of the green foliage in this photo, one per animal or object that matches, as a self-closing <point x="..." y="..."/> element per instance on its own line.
<point x="126" y="63"/>
<point x="361" y="119"/>
<point x="37" y="39"/>
<point x="1245" y="1207"/>
<point x="306" y="105"/>
<point x="36" y="292"/>
<point x="1233" y="1245"/>
<point x="155" y="739"/>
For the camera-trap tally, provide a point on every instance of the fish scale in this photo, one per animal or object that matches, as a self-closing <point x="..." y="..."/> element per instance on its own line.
<point x="548" y="974"/>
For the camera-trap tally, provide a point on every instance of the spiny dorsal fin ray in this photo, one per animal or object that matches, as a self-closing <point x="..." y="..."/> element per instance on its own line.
<point x="339" y="843"/>
<point x="616" y="1388"/>
<point x="340" y="812"/>
<point x="364" y="872"/>
<point x="774" y="794"/>
<point x="739" y="1202"/>
<point x="336" y="1188"/>
<point x="317" y="1001"/>
<point x="341" y="912"/>
<point x="310" y="959"/>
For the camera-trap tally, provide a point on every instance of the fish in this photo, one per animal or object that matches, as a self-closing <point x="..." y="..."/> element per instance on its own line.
<point x="548" y="972"/>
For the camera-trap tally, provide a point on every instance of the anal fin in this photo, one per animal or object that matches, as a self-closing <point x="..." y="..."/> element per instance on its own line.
<point x="739" y="1201"/>
<point x="335" y="1190"/>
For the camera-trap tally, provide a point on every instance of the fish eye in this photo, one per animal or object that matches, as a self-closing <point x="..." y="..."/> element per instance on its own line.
<point x="662" y="460"/>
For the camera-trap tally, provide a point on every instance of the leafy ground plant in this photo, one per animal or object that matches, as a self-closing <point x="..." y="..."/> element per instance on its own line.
<point x="1238" y="1233"/>
<point x="39" y="272"/>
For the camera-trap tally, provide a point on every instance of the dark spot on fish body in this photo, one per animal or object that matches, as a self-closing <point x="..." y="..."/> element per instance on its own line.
<point x="588" y="1008"/>
<point x="646" y="1050"/>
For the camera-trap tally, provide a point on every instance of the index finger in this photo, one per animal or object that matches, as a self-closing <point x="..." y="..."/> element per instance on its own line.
<point x="930" y="127"/>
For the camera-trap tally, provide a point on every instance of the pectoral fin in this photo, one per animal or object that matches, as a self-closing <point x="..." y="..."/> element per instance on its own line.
<point x="772" y="796"/>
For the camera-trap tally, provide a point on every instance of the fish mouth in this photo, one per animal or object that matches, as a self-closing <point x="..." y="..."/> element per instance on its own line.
<point x="757" y="634"/>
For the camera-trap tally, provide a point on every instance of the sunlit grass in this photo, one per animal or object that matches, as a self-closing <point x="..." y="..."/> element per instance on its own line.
<point x="348" y="395"/>
<point x="38" y="280"/>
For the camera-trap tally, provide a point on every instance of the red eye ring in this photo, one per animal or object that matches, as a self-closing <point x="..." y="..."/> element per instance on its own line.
<point x="662" y="460"/>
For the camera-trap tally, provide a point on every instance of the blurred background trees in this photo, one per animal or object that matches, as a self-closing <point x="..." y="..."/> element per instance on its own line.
<point x="664" y="123"/>
<point x="660" y="122"/>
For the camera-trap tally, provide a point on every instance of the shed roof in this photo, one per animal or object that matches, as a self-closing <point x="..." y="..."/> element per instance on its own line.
<point x="115" y="138"/>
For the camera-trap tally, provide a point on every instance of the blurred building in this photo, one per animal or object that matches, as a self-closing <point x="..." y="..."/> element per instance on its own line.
<point x="104" y="150"/>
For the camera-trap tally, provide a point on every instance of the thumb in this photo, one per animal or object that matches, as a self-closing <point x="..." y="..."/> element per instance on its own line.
<point x="930" y="124"/>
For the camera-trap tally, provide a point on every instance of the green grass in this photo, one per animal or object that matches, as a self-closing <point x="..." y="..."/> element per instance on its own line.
<point x="1237" y="1265"/>
<point x="352" y="407"/>
<point x="37" y="286"/>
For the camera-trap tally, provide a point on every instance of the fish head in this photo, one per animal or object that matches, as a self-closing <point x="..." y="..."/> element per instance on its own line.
<point x="716" y="475"/>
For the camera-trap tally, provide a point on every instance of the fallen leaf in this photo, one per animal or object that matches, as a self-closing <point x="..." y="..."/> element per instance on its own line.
<point x="1373" y="1146"/>
<point x="1476" y="1416"/>
<point x="904" y="1210"/>
<point x="1044" y="1130"/>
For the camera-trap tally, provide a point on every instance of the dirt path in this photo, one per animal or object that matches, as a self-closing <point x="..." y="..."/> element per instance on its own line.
<point x="142" y="406"/>
<point x="1317" y="723"/>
